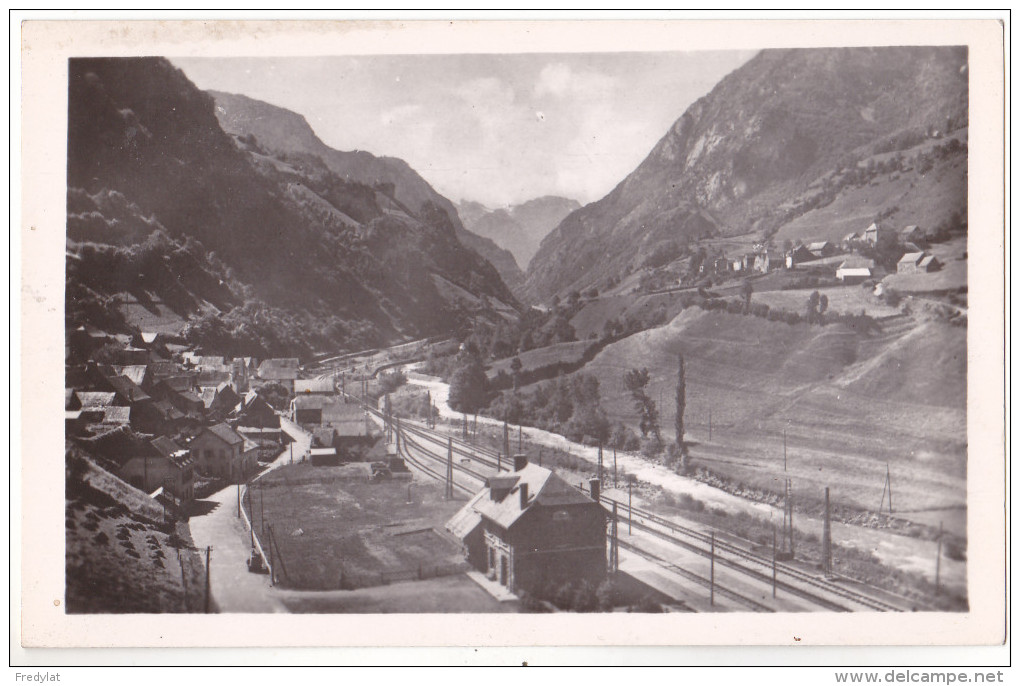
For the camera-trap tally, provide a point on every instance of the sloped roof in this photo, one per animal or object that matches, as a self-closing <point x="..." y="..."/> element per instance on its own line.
<point x="134" y="372"/>
<point x="95" y="398"/>
<point x="226" y="433"/>
<point x="162" y="368"/>
<point x="116" y="415"/>
<point x="313" y="386"/>
<point x="165" y="446"/>
<point x="249" y="445"/>
<point x="818" y="245"/>
<point x="285" y="368"/>
<point x="467" y="518"/>
<point x="128" y="389"/>
<point x="856" y="262"/>
<point x="68" y="396"/>
<point x="212" y="377"/>
<point x="927" y="260"/>
<point x="911" y="258"/>
<point x="150" y="336"/>
<point x="544" y="488"/>
<point x="180" y="383"/>
<point x="119" y="445"/>
<point x="310" y="402"/>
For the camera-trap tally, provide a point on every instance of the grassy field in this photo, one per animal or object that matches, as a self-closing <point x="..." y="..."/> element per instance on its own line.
<point x="844" y="299"/>
<point x="848" y="403"/>
<point x="571" y="351"/>
<point x="120" y="557"/>
<point x="924" y="200"/>
<point x="337" y="532"/>
<point x="446" y="594"/>
<point x="953" y="274"/>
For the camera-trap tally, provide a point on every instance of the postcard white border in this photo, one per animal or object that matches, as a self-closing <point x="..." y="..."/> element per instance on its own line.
<point x="39" y="535"/>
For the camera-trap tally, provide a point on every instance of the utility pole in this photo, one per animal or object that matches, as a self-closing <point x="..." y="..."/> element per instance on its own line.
<point x="272" y="567"/>
<point x="616" y="483"/>
<point x="773" y="560"/>
<point x="784" y="450"/>
<point x="827" y="538"/>
<point x="540" y="457"/>
<point x="465" y="427"/>
<point x="239" y="500"/>
<point x="208" y="549"/>
<point x="630" y="507"/>
<point x="428" y="400"/>
<point x="600" y="462"/>
<point x="613" y="543"/>
<point x="938" y="561"/>
<point x="711" y="581"/>
<point x="506" y="437"/>
<point x="520" y="439"/>
<point x="449" y="469"/>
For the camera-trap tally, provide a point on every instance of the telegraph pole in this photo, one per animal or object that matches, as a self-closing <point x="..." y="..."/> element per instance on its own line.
<point x="938" y="561"/>
<point x="600" y="462"/>
<point x="773" y="560"/>
<point x="784" y="450"/>
<point x="449" y="470"/>
<point x="520" y="438"/>
<point x="616" y="483"/>
<point x="506" y="437"/>
<point x="239" y="500"/>
<point x="711" y="587"/>
<point x="827" y="538"/>
<point x="630" y="507"/>
<point x="208" y="549"/>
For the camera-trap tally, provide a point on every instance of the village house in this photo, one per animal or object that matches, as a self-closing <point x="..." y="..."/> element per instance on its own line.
<point x="254" y="411"/>
<point x="875" y="234"/>
<point x="220" y="451"/>
<point x="314" y="386"/>
<point x="268" y="441"/>
<point x="530" y="530"/>
<point x="354" y="438"/>
<point x="219" y="400"/>
<point x="283" y="371"/>
<point x="307" y="409"/>
<point x="769" y="260"/>
<point x="173" y="469"/>
<point x="851" y="241"/>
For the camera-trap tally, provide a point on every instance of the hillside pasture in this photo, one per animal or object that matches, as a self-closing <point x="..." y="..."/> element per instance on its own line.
<point x="566" y="353"/>
<point x="845" y="299"/>
<point x="849" y="404"/>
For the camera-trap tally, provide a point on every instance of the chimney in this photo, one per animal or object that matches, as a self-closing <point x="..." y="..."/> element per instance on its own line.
<point x="524" y="496"/>
<point x="520" y="462"/>
<point x="594" y="487"/>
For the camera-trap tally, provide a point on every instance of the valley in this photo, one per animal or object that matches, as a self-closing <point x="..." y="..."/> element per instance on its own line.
<point x="765" y="324"/>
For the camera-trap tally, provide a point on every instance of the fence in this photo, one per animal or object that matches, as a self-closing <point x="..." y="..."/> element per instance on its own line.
<point x="255" y="537"/>
<point x="349" y="581"/>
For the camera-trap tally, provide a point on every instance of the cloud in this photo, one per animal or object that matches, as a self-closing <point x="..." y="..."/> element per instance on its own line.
<point x="560" y="80"/>
<point x="400" y="114"/>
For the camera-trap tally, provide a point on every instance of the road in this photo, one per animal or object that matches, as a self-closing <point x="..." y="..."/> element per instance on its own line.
<point x="234" y="588"/>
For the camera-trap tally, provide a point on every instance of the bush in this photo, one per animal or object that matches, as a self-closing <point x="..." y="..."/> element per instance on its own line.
<point x="391" y="381"/>
<point x="606" y="595"/>
<point x="532" y="604"/>
<point x="584" y="598"/>
<point x="647" y="604"/>
<point x="651" y="447"/>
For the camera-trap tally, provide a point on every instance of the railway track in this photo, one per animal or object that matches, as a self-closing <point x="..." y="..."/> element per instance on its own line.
<point x="790" y="579"/>
<point x="697" y="578"/>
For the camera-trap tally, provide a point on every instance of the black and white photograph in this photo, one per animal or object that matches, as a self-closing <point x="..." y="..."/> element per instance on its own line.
<point x="657" y="331"/>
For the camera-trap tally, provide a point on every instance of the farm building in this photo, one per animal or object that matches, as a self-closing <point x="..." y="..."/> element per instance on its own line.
<point x="530" y="530"/>
<point x="219" y="400"/>
<point x="912" y="233"/>
<point x="822" y="249"/>
<point x="768" y="261"/>
<point x="314" y="386"/>
<point x="799" y="255"/>
<point x="850" y="240"/>
<point x="917" y="263"/>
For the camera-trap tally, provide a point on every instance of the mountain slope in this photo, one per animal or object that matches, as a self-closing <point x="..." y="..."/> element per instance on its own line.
<point x="263" y="253"/>
<point x="518" y="228"/>
<point x="281" y="131"/>
<point x="754" y="154"/>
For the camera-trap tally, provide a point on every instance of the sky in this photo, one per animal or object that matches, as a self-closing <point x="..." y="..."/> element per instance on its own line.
<point x="496" y="129"/>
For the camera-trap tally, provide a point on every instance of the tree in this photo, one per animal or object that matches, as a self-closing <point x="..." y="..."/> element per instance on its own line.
<point x="681" y="402"/>
<point x="636" y="380"/>
<point x="812" y="307"/>
<point x="515" y="368"/>
<point x="746" y="290"/>
<point x="469" y="386"/>
<point x="823" y="304"/>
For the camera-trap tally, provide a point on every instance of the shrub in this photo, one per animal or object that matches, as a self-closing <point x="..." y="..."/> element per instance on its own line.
<point x="606" y="596"/>
<point x="647" y="604"/>
<point x="651" y="447"/>
<point x="584" y="598"/>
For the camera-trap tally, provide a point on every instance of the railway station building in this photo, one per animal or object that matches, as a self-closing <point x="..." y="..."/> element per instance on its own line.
<point x="530" y="530"/>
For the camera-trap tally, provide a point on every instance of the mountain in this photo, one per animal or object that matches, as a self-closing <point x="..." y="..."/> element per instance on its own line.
<point x="518" y="228"/>
<point x="282" y="131"/>
<point x="259" y="252"/>
<point x="781" y="137"/>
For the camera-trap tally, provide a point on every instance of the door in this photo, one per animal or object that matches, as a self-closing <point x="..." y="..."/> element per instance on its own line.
<point x="503" y="570"/>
